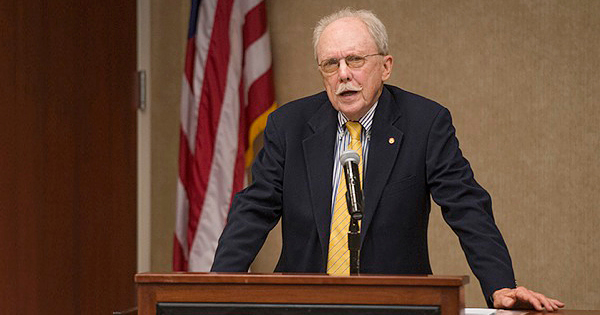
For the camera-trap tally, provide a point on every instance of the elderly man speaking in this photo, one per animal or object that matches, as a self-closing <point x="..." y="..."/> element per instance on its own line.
<point x="407" y="152"/>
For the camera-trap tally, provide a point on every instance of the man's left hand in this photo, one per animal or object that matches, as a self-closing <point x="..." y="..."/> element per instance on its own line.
<point x="522" y="298"/>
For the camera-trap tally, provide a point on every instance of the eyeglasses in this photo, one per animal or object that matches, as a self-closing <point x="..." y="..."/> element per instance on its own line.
<point x="332" y="64"/>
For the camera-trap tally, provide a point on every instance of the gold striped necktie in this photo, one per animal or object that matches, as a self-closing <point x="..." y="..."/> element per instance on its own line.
<point x="338" y="260"/>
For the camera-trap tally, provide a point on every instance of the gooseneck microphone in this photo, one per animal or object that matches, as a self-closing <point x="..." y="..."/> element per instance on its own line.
<point x="354" y="200"/>
<point x="354" y="196"/>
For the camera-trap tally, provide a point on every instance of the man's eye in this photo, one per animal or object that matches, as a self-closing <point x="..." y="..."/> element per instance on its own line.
<point x="353" y="58"/>
<point x="330" y="62"/>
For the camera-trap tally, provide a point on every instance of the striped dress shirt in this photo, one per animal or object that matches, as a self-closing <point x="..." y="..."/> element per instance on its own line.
<point x="343" y="140"/>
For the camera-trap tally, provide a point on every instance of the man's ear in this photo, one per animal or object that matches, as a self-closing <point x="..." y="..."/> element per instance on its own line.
<point x="388" y="63"/>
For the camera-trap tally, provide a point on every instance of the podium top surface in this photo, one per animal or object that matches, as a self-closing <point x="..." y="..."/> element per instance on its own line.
<point x="287" y="278"/>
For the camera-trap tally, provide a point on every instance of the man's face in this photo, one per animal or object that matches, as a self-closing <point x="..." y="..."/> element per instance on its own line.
<point x="352" y="90"/>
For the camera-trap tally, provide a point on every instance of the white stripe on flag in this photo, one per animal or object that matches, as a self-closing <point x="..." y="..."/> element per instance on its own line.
<point x="260" y="54"/>
<point x="188" y="109"/>
<point x="246" y="5"/>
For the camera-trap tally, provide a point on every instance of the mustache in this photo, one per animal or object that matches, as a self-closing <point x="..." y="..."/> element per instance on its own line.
<point x="348" y="86"/>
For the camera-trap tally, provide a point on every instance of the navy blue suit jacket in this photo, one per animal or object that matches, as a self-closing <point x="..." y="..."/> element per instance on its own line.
<point x="292" y="181"/>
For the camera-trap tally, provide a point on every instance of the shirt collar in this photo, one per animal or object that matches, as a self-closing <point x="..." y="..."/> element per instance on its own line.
<point x="366" y="120"/>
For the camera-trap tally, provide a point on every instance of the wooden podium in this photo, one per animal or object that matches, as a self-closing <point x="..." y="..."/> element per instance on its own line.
<point x="244" y="293"/>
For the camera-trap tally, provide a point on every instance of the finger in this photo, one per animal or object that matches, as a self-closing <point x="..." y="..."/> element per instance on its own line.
<point x="526" y="296"/>
<point x="549" y="306"/>
<point x="506" y="302"/>
<point x="535" y="303"/>
<point x="543" y="300"/>
<point x="558" y="303"/>
<point x="555" y="304"/>
<point x="538" y="301"/>
<point x="503" y="298"/>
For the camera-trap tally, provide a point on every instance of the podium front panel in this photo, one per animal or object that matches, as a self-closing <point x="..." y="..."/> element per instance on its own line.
<point x="291" y="309"/>
<point x="223" y="293"/>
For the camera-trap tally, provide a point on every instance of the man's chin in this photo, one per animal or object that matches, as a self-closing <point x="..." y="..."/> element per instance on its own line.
<point x="352" y="112"/>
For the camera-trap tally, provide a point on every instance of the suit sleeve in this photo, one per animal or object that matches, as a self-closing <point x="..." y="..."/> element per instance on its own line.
<point x="466" y="207"/>
<point x="255" y="210"/>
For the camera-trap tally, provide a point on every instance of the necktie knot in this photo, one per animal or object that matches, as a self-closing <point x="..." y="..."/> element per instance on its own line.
<point x="354" y="128"/>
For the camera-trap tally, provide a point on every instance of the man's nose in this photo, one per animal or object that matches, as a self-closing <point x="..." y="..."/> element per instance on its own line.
<point x="344" y="72"/>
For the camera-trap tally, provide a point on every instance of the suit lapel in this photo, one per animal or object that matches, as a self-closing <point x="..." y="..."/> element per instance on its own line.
<point x="318" y="156"/>
<point x="382" y="155"/>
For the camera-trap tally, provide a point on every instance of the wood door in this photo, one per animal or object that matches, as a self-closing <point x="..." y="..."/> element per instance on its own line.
<point x="67" y="156"/>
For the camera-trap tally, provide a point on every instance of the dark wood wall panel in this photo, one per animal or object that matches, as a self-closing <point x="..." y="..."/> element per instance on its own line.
<point x="68" y="156"/>
<point x="8" y="244"/>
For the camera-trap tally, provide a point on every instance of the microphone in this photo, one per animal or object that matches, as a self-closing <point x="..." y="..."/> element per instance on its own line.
<point x="354" y="196"/>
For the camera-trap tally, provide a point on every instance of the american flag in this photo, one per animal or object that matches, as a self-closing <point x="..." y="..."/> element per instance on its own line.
<point x="227" y="93"/>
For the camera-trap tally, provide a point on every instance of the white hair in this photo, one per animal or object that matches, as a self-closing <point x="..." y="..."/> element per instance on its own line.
<point x="374" y="25"/>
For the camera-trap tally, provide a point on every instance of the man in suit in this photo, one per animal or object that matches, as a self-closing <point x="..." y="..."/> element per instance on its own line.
<point x="409" y="152"/>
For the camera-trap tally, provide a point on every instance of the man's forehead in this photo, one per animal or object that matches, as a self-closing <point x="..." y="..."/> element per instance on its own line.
<point x="345" y="34"/>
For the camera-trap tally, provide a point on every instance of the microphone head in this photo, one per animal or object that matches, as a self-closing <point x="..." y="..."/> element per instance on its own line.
<point x="349" y="156"/>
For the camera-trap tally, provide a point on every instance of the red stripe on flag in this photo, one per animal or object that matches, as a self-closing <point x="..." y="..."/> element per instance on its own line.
<point x="255" y="25"/>
<point x="239" y="168"/>
<point x="260" y="96"/>
<point x="186" y="160"/>
<point x="186" y="164"/>
<point x="211" y="102"/>
<point x="190" y="54"/>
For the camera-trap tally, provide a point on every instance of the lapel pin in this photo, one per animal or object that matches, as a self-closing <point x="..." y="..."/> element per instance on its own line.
<point x="391" y="140"/>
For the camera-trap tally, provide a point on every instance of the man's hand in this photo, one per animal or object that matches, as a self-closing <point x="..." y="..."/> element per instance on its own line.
<point x="522" y="298"/>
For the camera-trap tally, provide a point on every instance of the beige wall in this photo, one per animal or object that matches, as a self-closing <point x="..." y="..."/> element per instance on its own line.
<point x="169" y="20"/>
<point x="522" y="81"/>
